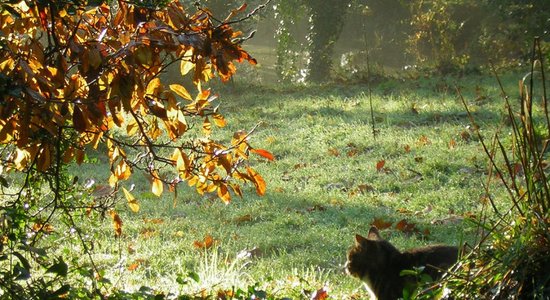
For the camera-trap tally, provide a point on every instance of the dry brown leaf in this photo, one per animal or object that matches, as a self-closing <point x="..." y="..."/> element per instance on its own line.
<point x="381" y="223"/>
<point x="380" y="164"/>
<point x="334" y="152"/>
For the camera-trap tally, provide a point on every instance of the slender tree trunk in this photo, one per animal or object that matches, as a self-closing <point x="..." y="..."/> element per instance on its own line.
<point x="327" y="19"/>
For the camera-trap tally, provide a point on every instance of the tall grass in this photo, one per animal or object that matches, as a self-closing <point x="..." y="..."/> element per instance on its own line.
<point x="511" y="260"/>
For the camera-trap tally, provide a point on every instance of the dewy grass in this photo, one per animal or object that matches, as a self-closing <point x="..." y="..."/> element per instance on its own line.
<point x="323" y="187"/>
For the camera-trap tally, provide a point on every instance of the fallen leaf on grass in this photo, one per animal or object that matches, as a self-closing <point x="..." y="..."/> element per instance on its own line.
<point x="404" y="211"/>
<point x="380" y="164"/>
<point x="361" y="189"/>
<point x="424" y="140"/>
<point x="320" y="294"/>
<point x="353" y="150"/>
<point x="316" y="207"/>
<point x="405" y="226"/>
<point x="299" y="166"/>
<point x="206" y="243"/>
<point x="153" y="221"/>
<point x="465" y="135"/>
<point x="381" y="223"/>
<point x="334" y="152"/>
<point x="243" y="219"/>
<point x="407" y="148"/>
<point x="147" y="232"/>
<point x="452" y="144"/>
<point x="133" y="266"/>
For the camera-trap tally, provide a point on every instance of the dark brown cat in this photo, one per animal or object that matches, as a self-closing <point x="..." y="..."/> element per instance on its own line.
<point x="378" y="263"/>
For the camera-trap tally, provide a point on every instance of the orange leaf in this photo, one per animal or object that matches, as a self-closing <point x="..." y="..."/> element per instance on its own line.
<point x="258" y="181"/>
<point x="133" y="266"/>
<point x="117" y="222"/>
<point x="223" y="193"/>
<point x="320" y="294"/>
<point x="380" y="164"/>
<point x="207" y="243"/>
<point x="263" y="153"/>
<point x="407" y="148"/>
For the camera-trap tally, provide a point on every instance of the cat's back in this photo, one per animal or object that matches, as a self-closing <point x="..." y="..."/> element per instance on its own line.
<point x="435" y="258"/>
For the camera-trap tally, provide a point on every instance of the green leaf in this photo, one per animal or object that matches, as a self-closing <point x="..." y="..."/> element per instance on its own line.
<point x="408" y="273"/>
<point x="194" y="276"/>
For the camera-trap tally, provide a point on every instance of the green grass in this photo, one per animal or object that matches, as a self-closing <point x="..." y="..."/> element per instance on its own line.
<point x="323" y="188"/>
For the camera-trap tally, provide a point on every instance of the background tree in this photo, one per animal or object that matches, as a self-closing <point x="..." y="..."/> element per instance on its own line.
<point x="326" y="22"/>
<point x="75" y="77"/>
<point x="441" y="36"/>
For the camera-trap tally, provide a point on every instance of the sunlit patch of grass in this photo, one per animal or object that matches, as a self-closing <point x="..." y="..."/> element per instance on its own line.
<point x="323" y="188"/>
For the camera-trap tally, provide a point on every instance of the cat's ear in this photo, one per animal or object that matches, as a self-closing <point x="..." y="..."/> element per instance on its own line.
<point x="374" y="234"/>
<point x="359" y="239"/>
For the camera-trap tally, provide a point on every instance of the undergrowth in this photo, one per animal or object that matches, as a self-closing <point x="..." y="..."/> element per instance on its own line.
<point x="511" y="258"/>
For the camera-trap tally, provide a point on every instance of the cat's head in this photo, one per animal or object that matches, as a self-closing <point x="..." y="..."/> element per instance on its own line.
<point x="369" y="255"/>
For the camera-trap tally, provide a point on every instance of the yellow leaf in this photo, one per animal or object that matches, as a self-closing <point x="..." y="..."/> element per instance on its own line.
<point x="122" y="170"/>
<point x="154" y="86"/>
<point x="21" y="159"/>
<point x="157" y="186"/>
<point x="186" y="65"/>
<point x="113" y="180"/>
<point x="132" y="202"/>
<point x="219" y="120"/>
<point x="132" y="127"/>
<point x="181" y="91"/>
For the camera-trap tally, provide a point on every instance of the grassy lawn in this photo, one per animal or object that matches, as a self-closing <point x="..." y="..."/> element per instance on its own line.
<point x="326" y="184"/>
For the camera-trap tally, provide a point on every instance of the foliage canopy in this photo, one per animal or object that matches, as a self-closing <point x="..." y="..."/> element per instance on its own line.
<point x="75" y="77"/>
